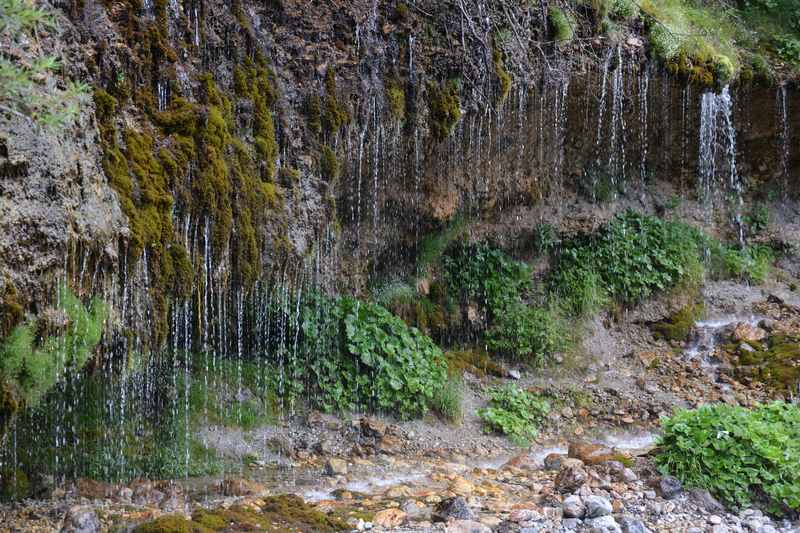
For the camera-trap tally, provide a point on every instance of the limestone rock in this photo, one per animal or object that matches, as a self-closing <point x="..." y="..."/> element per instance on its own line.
<point x="389" y="518"/>
<point x="597" y="506"/>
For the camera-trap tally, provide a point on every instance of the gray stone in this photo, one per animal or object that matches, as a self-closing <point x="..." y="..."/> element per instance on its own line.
<point x="632" y="525"/>
<point x="714" y="520"/>
<point x="452" y="508"/>
<point x="81" y="519"/>
<point x="603" y="524"/>
<point x="766" y="528"/>
<point x="670" y="487"/>
<point x="553" y="461"/>
<point x="720" y="528"/>
<point x="570" y="523"/>
<point x="514" y="374"/>
<point x="704" y="499"/>
<point x="573" y="507"/>
<point x="597" y="506"/>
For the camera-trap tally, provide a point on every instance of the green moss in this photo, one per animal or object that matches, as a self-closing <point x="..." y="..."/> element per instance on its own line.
<point x="328" y="164"/>
<point x="314" y="113"/>
<point x="396" y="98"/>
<point x="11" y="310"/>
<point x="166" y="524"/>
<point x="476" y="362"/>
<point x="775" y="361"/>
<point x="444" y="105"/>
<point x="334" y="114"/>
<point x="678" y="326"/>
<point x="14" y="485"/>
<point x="503" y="77"/>
<point x="561" y="25"/>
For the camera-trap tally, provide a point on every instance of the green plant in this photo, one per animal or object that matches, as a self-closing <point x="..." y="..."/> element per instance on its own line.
<point x="22" y="92"/>
<point x="757" y="219"/>
<point x="545" y="238"/>
<point x="447" y="400"/>
<point x="741" y="455"/>
<point x="630" y="258"/>
<point x="35" y="355"/>
<point x="527" y="333"/>
<point x="444" y="105"/>
<point x="486" y="274"/>
<point x="514" y="412"/>
<point x="371" y="358"/>
<point x="432" y="247"/>
<point x="751" y="263"/>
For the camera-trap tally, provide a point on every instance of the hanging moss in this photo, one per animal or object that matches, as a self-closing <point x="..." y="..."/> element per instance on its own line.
<point x="11" y="310"/>
<point x="334" y="114"/>
<point x="679" y="325"/>
<point x="445" y="109"/>
<point x="503" y="77"/>
<point x="328" y="164"/>
<point x="14" y="485"/>
<point x="396" y="98"/>
<point x="314" y="113"/>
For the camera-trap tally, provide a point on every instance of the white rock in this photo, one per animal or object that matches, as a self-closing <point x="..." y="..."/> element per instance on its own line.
<point x="597" y="506"/>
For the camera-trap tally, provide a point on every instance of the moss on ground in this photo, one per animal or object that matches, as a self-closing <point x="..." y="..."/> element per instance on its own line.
<point x="774" y="361"/>
<point x="477" y="362"/>
<point x="275" y="513"/>
<point x="679" y="325"/>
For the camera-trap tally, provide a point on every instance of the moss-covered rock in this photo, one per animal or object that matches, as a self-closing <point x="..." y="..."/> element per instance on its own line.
<point x="679" y="325"/>
<point x="168" y="524"/>
<point x="444" y="105"/>
<point x="396" y="98"/>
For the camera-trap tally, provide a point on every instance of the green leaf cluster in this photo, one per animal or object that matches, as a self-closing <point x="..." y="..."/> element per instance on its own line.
<point x="631" y="258"/>
<point x="514" y="412"/>
<point x="362" y="356"/>
<point x="743" y="456"/>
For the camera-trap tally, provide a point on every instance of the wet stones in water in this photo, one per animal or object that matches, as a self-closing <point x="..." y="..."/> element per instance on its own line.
<point x="452" y="508"/>
<point x="81" y="519"/>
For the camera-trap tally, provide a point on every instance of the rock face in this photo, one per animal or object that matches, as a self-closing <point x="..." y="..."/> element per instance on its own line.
<point x="570" y="479"/>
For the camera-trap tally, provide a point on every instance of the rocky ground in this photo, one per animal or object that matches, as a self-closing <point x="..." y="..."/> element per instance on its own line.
<point x="591" y="468"/>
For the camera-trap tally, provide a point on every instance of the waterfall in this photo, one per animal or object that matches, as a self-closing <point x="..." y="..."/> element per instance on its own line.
<point x="785" y="139"/>
<point x="717" y="156"/>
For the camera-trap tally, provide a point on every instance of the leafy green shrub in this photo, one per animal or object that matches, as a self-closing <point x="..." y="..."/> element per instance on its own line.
<point x="488" y="275"/>
<point x="525" y="332"/>
<point x="514" y="412"/>
<point x="757" y="219"/>
<point x="742" y="456"/>
<point x="751" y="263"/>
<point x="447" y="400"/>
<point x="372" y="358"/>
<point x="433" y="246"/>
<point x="545" y="238"/>
<point x="631" y="258"/>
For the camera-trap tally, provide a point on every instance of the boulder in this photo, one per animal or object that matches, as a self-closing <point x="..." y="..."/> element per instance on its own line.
<point x="597" y="506"/>
<point x="455" y="508"/>
<point x="466" y="526"/>
<point x="573" y="507"/>
<point x="554" y="461"/>
<point x="336" y="467"/>
<point x="389" y="518"/>
<point x="570" y="479"/>
<point x="372" y="427"/>
<point x="605" y="524"/>
<point x="632" y="525"/>
<point x="669" y="487"/>
<point x="744" y="332"/>
<point x="81" y="519"/>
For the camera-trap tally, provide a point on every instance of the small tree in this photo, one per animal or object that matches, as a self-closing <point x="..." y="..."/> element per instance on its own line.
<point x="24" y="86"/>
